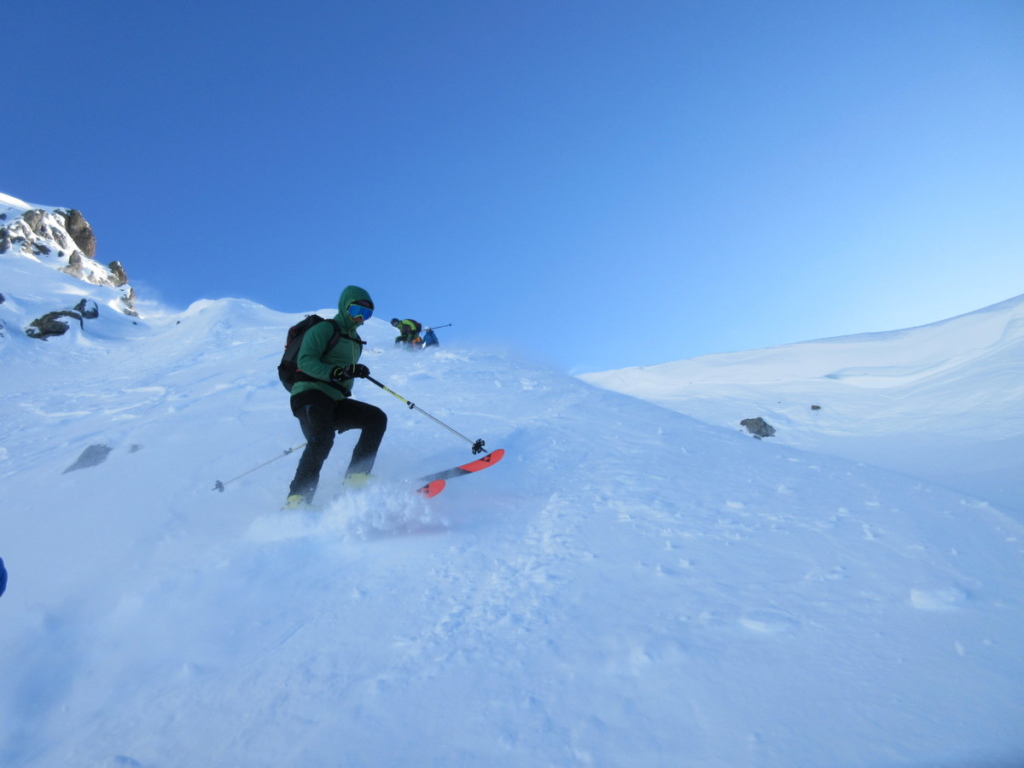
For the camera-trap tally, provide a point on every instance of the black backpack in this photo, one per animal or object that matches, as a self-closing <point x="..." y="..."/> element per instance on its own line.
<point x="288" y="370"/>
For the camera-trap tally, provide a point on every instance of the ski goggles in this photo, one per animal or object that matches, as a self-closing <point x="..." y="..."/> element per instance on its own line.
<point x="360" y="309"/>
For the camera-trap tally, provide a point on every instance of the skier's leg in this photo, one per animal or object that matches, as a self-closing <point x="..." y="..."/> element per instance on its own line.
<point x="372" y="421"/>
<point x="313" y="411"/>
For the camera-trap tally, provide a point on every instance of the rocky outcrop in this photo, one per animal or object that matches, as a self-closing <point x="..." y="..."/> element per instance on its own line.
<point x="36" y="222"/>
<point x="6" y="240"/>
<point x="120" y="276"/>
<point x="53" y="324"/>
<point x="758" y="427"/>
<point x="76" y="265"/>
<point x="63" y="239"/>
<point x="80" y="231"/>
<point x="128" y="300"/>
<point x="88" y="309"/>
<point x="57" y="323"/>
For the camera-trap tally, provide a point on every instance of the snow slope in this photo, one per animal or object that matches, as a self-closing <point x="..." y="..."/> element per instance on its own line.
<point x="629" y="587"/>
<point x="943" y="402"/>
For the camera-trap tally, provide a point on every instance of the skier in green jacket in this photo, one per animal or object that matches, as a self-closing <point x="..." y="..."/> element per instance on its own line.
<point x="408" y="332"/>
<point x="321" y="399"/>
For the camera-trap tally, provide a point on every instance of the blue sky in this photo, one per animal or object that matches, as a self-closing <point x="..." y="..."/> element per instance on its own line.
<point x="558" y="177"/>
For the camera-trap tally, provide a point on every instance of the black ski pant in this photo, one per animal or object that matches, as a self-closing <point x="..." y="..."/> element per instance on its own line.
<point x="320" y="417"/>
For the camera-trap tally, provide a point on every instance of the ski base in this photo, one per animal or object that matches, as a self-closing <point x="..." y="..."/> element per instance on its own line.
<point x="436" y="482"/>
<point x="431" y="489"/>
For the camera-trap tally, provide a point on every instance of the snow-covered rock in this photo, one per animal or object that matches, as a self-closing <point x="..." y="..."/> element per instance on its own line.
<point x="60" y="239"/>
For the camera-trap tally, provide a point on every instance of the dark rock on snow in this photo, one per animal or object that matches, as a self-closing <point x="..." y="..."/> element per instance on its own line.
<point x="758" y="427"/>
<point x="91" y="456"/>
<point x="88" y="309"/>
<point x="52" y="324"/>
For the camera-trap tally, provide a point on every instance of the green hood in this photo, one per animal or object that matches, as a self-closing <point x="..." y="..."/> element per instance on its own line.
<point x="350" y="296"/>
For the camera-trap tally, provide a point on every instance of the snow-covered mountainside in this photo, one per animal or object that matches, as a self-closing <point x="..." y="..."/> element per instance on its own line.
<point x="629" y="587"/>
<point x="943" y="402"/>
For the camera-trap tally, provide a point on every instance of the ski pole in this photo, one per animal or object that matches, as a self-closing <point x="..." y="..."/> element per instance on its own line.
<point x="219" y="486"/>
<point x="478" y="446"/>
<point x="435" y="327"/>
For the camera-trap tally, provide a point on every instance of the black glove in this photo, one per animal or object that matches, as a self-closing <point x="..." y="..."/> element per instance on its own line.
<point x="354" y="371"/>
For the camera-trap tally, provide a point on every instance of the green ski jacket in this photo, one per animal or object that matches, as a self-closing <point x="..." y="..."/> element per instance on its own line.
<point x="314" y="361"/>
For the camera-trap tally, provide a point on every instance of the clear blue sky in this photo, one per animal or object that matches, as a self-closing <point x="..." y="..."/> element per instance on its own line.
<point x="563" y="177"/>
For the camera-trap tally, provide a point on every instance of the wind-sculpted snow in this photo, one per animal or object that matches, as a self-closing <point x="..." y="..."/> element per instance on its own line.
<point x="629" y="587"/>
<point x="943" y="402"/>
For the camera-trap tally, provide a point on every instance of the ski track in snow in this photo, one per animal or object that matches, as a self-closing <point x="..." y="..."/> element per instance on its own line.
<point x="628" y="587"/>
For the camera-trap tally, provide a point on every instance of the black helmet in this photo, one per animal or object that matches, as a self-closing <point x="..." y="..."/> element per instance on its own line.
<point x="395" y="322"/>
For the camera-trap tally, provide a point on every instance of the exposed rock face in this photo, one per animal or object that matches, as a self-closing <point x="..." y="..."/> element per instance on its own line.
<point x="758" y="427"/>
<point x="120" y="276"/>
<point x="80" y="231"/>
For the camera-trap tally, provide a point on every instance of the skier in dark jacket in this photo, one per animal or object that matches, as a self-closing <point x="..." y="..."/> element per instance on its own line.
<point x="408" y="332"/>
<point x="321" y="399"/>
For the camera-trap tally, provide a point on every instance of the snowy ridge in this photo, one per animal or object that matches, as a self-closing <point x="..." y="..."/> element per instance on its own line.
<point x="6" y="201"/>
<point x="628" y="587"/>
<point x="942" y="402"/>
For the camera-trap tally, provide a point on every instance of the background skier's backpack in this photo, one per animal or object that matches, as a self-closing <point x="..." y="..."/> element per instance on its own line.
<point x="288" y="370"/>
